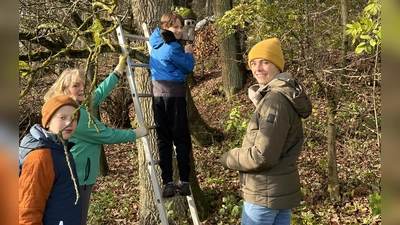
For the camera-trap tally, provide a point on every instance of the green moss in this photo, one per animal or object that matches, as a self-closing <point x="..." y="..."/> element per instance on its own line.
<point x="186" y="13"/>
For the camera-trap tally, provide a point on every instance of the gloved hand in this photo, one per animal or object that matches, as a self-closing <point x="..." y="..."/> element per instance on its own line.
<point x="141" y="131"/>
<point x="120" y="68"/>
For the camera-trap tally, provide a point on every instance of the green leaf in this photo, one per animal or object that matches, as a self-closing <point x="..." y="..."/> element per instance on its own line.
<point x="365" y="37"/>
<point x="368" y="48"/>
<point x="372" y="42"/>
<point x="360" y="48"/>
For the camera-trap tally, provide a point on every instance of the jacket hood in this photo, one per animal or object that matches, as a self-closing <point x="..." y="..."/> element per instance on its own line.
<point x="161" y="36"/>
<point x="39" y="138"/>
<point x="291" y="89"/>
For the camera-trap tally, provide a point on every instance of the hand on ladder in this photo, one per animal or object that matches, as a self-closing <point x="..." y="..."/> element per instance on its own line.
<point x="141" y="131"/>
<point x="120" y="68"/>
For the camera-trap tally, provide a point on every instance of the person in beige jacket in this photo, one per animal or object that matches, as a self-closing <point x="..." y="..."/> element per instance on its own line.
<point x="267" y="160"/>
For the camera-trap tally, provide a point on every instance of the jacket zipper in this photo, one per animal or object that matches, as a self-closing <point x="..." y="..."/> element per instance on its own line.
<point x="87" y="172"/>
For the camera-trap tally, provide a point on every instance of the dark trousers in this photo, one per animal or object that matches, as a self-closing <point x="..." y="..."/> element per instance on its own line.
<point x="85" y="192"/>
<point x="172" y="128"/>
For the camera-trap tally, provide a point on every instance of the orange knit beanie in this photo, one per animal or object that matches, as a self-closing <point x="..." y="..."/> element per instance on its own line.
<point x="269" y="49"/>
<point x="53" y="104"/>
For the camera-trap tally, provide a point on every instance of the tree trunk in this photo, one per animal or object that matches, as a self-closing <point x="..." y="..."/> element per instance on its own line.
<point x="233" y="77"/>
<point x="202" y="134"/>
<point x="333" y="186"/>
<point x="143" y="11"/>
<point x="182" y="3"/>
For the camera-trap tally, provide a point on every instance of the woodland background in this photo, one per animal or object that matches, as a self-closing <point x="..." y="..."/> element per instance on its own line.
<point x="332" y="47"/>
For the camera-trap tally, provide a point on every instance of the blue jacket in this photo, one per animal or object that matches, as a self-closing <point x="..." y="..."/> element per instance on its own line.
<point x="168" y="60"/>
<point x="46" y="191"/>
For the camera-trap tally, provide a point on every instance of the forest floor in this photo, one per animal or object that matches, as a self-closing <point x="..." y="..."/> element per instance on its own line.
<point x="115" y="197"/>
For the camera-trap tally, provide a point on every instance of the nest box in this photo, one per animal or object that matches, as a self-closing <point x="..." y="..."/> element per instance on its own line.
<point x="188" y="29"/>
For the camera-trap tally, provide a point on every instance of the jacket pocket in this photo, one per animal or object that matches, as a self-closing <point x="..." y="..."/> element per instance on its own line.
<point x="87" y="172"/>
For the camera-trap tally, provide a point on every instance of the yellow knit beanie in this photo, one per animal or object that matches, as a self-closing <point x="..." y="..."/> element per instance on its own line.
<point x="270" y="50"/>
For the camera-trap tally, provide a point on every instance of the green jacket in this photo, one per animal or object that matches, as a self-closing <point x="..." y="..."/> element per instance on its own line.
<point x="267" y="160"/>
<point x="88" y="141"/>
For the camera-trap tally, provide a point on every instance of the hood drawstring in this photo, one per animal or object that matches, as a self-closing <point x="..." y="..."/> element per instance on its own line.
<point x="70" y="170"/>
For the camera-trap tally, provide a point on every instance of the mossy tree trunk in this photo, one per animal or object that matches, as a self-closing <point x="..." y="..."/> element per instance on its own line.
<point x="149" y="12"/>
<point x="202" y="134"/>
<point x="233" y="78"/>
<point x="148" y="209"/>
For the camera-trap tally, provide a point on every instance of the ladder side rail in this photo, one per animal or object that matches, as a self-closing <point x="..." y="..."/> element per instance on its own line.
<point x="193" y="209"/>
<point x="145" y="139"/>
<point x="146" y="32"/>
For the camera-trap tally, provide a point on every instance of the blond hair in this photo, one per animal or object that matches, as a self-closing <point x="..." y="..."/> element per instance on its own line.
<point x="61" y="85"/>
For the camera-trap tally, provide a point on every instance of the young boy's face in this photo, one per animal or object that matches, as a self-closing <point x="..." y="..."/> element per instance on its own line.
<point x="177" y="29"/>
<point x="76" y="88"/>
<point x="61" y="120"/>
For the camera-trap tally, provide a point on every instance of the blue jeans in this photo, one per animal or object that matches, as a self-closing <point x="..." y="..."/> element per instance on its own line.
<point x="259" y="215"/>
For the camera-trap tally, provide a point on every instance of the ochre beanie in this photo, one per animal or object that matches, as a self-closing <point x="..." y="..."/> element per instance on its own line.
<point x="53" y="104"/>
<point x="270" y="50"/>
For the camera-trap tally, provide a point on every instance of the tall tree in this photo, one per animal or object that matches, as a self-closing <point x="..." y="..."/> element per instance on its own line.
<point x="333" y="98"/>
<point x="148" y="210"/>
<point x="231" y="59"/>
<point x="148" y="12"/>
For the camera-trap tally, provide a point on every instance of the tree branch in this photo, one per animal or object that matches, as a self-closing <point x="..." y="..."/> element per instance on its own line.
<point x="137" y="54"/>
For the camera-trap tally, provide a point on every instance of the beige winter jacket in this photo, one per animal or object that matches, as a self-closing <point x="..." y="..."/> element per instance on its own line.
<point x="267" y="159"/>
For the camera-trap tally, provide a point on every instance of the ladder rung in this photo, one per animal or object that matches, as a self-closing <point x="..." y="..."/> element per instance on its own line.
<point x="136" y="37"/>
<point x="144" y="95"/>
<point x="139" y="65"/>
<point x="146" y="142"/>
<point x="175" y="196"/>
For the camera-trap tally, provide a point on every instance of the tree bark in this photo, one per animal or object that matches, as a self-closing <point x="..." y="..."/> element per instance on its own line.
<point x="233" y="78"/>
<point x="202" y="134"/>
<point x="144" y="12"/>
<point x="333" y="99"/>
<point x="333" y="186"/>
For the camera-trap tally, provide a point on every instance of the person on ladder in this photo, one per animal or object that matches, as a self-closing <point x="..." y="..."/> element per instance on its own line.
<point x="169" y="64"/>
